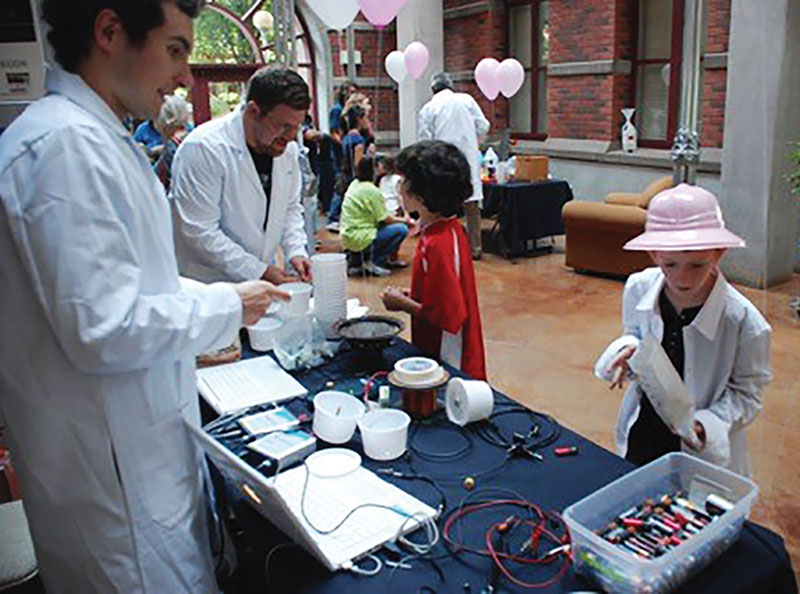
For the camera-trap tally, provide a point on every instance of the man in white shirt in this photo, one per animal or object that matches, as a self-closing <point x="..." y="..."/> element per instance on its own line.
<point x="457" y="118"/>
<point x="97" y="372"/>
<point x="237" y="187"/>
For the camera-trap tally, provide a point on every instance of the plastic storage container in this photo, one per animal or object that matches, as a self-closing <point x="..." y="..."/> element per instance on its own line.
<point x="618" y="570"/>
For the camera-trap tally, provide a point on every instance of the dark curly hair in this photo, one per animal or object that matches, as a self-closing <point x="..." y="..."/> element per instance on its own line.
<point x="438" y="173"/>
<point x="72" y="23"/>
<point x="277" y="85"/>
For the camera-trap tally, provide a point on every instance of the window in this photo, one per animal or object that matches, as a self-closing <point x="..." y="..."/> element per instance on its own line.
<point x="657" y="69"/>
<point x="529" y="42"/>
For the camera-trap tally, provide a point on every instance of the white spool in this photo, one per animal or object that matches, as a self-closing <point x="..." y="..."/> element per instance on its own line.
<point x="467" y="401"/>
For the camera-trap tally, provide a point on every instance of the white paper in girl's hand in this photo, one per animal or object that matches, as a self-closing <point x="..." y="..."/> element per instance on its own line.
<point x="664" y="387"/>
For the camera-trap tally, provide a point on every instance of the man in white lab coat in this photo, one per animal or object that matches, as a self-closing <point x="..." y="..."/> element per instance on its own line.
<point x="99" y="333"/>
<point x="236" y="187"/>
<point x="457" y="118"/>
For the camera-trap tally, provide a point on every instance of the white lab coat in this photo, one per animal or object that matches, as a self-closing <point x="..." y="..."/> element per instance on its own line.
<point x="97" y="350"/>
<point x="456" y="118"/>
<point x="727" y="349"/>
<point x="219" y="205"/>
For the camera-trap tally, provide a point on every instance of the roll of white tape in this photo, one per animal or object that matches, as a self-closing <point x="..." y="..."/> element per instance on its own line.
<point x="467" y="401"/>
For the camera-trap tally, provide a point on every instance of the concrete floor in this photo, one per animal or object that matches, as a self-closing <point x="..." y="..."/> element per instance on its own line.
<point x="544" y="326"/>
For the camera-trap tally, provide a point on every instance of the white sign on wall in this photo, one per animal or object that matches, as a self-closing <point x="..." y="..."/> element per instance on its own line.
<point x="21" y="57"/>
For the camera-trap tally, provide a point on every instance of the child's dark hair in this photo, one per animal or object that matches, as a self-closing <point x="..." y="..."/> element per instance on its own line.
<point x="365" y="170"/>
<point x="438" y="173"/>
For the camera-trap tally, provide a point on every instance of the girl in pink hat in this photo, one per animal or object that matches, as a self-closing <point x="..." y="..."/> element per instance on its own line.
<point x="716" y="340"/>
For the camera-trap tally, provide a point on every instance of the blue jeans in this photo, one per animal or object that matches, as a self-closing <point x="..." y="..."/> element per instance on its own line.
<point x="335" y="210"/>
<point x="386" y="242"/>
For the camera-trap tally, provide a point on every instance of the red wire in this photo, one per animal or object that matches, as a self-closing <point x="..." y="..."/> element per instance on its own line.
<point x="498" y="556"/>
<point x="370" y="382"/>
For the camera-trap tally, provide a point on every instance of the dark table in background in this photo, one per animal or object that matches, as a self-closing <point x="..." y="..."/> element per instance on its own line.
<point x="757" y="563"/>
<point x="526" y="211"/>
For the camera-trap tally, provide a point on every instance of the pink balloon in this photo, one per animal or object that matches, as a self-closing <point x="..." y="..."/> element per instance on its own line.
<point x="486" y="77"/>
<point x="510" y="76"/>
<point x="380" y="12"/>
<point x="417" y="56"/>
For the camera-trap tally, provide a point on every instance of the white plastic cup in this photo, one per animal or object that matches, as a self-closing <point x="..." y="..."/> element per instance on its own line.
<point x="262" y="333"/>
<point x="335" y="416"/>
<point x="298" y="304"/>
<point x="384" y="433"/>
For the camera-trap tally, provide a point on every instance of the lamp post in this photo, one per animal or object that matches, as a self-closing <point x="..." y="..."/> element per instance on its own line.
<point x="685" y="154"/>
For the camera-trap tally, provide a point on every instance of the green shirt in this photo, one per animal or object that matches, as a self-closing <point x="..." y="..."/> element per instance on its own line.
<point x="363" y="210"/>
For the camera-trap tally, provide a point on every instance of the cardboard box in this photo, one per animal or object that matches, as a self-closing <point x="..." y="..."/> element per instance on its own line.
<point x="531" y="168"/>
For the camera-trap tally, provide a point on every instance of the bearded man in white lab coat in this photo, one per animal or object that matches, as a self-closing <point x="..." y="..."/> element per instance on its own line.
<point x="457" y="118"/>
<point x="237" y="187"/>
<point x="99" y="333"/>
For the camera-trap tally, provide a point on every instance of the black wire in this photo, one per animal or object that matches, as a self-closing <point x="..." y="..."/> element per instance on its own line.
<point x="268" y="558"/>
<point x="444" y="456"/>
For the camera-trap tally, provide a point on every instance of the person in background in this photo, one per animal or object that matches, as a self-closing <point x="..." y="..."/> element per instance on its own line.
<point x="443" y="299"/>
<point x="457" y="118"/>
<point x="150" y="138"/>
<point x="308" y="155"/>
<point x="97" y="382"/>
<point x="717" y="341"/>
<point x="370" y="233"/>
<point x="237" y="187"/>
<point x="172" y="124"/>
<point x="389" y="182"/>
<point x="355" y="144"/>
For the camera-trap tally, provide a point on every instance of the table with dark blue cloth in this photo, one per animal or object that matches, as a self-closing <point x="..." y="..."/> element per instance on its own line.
<point x="757" y="563"/>
<point x="526" y="211"/>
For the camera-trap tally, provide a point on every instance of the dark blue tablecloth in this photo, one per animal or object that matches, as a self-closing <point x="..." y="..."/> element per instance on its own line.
<point x="526" y="211"/>
<point x="757" y="563"/>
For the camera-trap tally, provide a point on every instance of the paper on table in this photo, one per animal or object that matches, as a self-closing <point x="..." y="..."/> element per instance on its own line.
<point x="665" y="389"/>
<point x="246" y="383"/>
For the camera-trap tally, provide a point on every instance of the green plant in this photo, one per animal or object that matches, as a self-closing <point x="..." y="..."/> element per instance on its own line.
<point x="794" y="176"/>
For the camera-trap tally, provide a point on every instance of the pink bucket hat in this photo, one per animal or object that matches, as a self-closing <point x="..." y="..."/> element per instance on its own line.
<point x="684" y="218"/>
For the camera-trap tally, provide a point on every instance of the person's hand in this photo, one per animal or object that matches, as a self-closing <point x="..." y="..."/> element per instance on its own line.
<point x="620" y="367"/>
<point x="372" y="150"/>
<point x="303" y="267"/>
<point x="700" y="431"/>
<point x="395" y="299"/>
<point x="277" y="275"/>
<point x="256" y="295"/>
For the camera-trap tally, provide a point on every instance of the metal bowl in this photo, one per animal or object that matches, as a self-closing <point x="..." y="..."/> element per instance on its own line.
<point x="369" y="332"/>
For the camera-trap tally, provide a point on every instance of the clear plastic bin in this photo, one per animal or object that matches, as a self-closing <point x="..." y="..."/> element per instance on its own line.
<point x="618" y="570"/>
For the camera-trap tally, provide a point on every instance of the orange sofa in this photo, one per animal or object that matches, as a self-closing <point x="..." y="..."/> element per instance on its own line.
<point x="596" y="231"/>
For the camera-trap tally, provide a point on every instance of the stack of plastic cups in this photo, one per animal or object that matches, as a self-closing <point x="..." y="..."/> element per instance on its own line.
<point x="330" y="290"/>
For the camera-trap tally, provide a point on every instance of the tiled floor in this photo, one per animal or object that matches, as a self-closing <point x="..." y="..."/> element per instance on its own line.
<point x="544" y="326"/>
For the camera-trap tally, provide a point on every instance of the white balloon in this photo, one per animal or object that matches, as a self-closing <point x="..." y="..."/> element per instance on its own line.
<point x="396" y="66"/>
<point x="336" y="14"/>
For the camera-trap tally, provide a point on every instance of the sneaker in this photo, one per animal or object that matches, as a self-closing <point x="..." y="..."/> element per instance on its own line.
<point x="333" y="226"/>
<point x="396" y="264"/>
<point x="374" y="270"/>
<point x="356" y="271"/>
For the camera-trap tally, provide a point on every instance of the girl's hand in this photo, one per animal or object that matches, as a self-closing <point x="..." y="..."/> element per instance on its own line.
<point x="620" y="367"/>
<point x="395" y="299"/>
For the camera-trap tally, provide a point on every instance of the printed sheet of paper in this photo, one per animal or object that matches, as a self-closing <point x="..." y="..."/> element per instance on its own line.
<point x="664" y="388"/>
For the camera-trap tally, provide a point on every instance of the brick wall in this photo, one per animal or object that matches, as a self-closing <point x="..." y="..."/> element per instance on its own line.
<point x="384" y="100"/>
<point x="715" y="80"/>
<point x="467" y="40"/>
<point x="585" y="106"/>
